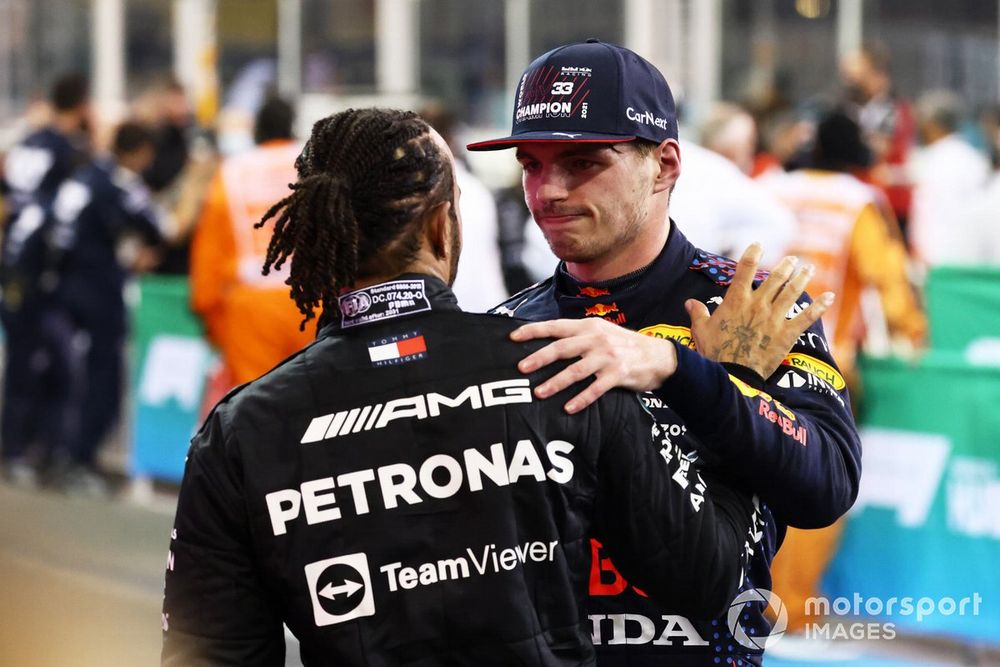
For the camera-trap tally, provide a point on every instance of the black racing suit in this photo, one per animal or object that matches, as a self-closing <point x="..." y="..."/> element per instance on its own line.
<point x="396" y="496"/>
<point x="38" y="355"/>
<point x="95" y="211"/>
<point x="790" y="440"/>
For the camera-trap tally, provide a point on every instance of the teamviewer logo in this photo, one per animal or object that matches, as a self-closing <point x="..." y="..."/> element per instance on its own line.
<point x="341" y="589"/>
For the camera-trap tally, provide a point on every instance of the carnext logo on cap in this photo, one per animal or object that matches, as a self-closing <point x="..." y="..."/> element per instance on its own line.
<point x="647" y="118"/>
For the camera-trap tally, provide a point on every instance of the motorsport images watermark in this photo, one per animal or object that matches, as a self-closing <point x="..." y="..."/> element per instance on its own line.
<point x="835" y="619"/>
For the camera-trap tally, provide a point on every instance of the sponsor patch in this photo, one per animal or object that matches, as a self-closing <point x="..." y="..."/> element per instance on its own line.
<point x="680" y="334"/>
<point x="383" y="301"/>
<point x="341" y="589"/>
<point x="814" y="366"/>
<point x="785" y="420"/>
<point x="607" y="311"/>
<point x="647" y="118"/>
<point x="398" y="349"/>
<point x="747" y="390"/>
<point x="793" y="379"/>
<point x="439" y="476"/>
<point x="751" y="392"/>
<point x="421" y="406"/>
<point x="576" y="71"/>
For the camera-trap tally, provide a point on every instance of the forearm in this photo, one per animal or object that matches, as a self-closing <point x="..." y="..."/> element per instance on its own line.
<point x="802" y="457"/>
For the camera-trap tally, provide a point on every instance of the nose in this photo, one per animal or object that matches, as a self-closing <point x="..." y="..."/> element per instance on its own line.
<point x="546" y="186"/>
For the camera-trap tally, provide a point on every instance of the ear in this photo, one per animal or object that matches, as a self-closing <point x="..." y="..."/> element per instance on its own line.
<point x="668" y="165"/>
<point x="436" y="229"/>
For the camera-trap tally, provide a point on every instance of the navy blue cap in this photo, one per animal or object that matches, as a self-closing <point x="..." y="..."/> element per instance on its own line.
<point x="589" y="92"/>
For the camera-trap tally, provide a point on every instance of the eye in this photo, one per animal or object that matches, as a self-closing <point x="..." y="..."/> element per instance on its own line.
<point x="581" y="164"/>
<point x="529" y="166"/>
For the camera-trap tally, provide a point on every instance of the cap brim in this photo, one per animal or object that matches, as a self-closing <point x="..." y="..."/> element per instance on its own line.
<point x="548" y="137"/>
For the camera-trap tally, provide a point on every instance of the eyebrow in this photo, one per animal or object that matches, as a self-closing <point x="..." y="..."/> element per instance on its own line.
<point x="571" y="151"/>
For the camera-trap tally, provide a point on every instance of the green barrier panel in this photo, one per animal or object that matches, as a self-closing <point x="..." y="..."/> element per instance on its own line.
<point x="963" y="305"/>
<point x="172" y="360"/>
<point x="927" y="520"/>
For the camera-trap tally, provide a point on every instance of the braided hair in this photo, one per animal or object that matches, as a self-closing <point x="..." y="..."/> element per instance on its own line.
<point x="365" y="179"/>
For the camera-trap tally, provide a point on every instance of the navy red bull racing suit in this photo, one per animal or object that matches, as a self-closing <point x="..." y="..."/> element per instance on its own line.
<point x="789" y="439"/>
<point x="396" y="495"/>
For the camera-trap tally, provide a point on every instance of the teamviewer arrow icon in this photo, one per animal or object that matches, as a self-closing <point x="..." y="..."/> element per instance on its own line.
<point x="349" y="588"/>
<point x="336" y="585"/>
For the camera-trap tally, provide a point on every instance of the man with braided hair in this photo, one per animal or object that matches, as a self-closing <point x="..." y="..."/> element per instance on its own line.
<point x="394" y="493"/>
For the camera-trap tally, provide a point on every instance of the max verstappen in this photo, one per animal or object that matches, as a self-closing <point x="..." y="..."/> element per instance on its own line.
<point x="395" y="493"/>
<point x="596" y="135"/>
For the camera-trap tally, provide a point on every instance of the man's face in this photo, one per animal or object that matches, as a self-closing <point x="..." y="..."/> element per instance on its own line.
<point x="590" y="200"/>
<point x="139" y="159"/>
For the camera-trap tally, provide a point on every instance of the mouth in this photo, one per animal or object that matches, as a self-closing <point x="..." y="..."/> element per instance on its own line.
<point x="553" y="219"/>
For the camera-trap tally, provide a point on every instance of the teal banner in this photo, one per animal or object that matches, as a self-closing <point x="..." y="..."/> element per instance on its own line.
<point x="172" y="360"/>
<point x="925" y="531"/>
<point x="963" y="311"/>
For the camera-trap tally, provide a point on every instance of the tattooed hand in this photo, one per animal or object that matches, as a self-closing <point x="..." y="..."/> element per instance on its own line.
<point x="750" y="327"/>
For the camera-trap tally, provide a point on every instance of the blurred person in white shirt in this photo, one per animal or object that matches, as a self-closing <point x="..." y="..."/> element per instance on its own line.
<point x="725" y="209"/>
<point x="948" y="174"/>
<point x="479" y="283"/>
<point x="984" y="211"/>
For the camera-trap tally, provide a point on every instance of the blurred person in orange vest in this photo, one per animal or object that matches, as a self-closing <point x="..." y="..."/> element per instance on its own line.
<point x="846" y="230"/>
<point x="250" y="317"/>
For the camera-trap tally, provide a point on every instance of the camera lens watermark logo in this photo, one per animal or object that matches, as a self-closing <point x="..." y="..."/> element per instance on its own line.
<point x="740" y="634"/>
<point x="340" y="588"/>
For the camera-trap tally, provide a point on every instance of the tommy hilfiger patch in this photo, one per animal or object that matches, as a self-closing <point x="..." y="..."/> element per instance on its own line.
<point x="397" y="349"/>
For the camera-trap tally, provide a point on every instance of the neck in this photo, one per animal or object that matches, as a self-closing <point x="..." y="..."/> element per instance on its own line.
<point x="128" y="165"/>
<point x="640" y="252"/>
<point x="420" y="265"/>
<point x="66" y="123"/>
<point x="935" y="134"/>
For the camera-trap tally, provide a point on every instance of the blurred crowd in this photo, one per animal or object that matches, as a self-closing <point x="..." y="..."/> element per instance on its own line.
<point x="870" y="188"/>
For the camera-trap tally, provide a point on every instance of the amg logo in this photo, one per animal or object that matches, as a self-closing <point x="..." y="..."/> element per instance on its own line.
<point x="421" y="406"/>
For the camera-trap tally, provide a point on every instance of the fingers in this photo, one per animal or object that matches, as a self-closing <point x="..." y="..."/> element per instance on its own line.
<point x="793" y="289"/>
<point x="697" y="311"/>
<point x="566" y="377"/>
<point x="550" y="329"/>
<point x="563" y="348"/>
<point x="580" y="370"/>
<point x="779" y="275"/>
<point x="597" y="388"/>
<point x="810" y="315"/>
<point x="746" y="268"/>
